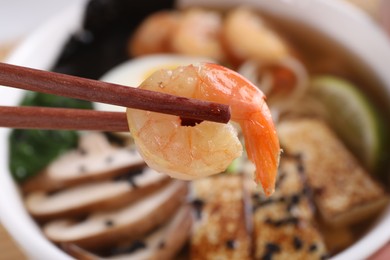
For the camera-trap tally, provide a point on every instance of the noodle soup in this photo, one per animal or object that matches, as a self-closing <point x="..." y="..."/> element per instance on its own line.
<point x="318" y="55"/>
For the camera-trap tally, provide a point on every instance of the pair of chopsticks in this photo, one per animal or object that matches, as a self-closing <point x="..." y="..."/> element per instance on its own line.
<point x="95" y="91"/>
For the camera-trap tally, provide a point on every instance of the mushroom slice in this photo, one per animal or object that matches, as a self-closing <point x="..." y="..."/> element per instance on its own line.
<point x="104" y="229"/>
<point x="162" y="244"/>
<point x="96" y="159"/>
<point x="80" y="200"/>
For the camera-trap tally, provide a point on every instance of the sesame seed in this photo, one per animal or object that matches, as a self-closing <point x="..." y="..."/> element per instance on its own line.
<point x="161" y="245"/>
<point x="198" y="206"/>
<point x="272" y="247"/>
<point x="297" y="242"/>
<point x="109" y="223"/>
<point x="313" y="248"/>
<point x="231" y="244"/>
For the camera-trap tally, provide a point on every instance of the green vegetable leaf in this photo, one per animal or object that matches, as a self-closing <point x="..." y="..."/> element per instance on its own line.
<point x="32" y="150"/>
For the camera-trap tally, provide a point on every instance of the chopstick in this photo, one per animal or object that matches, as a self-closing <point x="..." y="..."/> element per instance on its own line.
<point x="98" y="91"/>
<point x="62" y="119"/>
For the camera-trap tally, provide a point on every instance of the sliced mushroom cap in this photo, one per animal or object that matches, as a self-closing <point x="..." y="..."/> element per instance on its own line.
<point x="96" y="159"/>
<point x="164" y="243"/>
<point x="82" y="199"/>
<point x="104" y="229"/>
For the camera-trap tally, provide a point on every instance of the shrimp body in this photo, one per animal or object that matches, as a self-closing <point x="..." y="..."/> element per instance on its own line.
<point x="155" y="33"/>
<point x="248" y="37"/>
<point x="199" y="33"/>
<point x="207" y="148"/>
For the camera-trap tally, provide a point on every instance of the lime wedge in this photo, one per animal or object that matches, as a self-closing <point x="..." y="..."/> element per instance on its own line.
<point x="352" y="116"/>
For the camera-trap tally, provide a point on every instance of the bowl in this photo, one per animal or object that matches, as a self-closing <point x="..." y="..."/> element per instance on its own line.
<point x="340" y="22"/>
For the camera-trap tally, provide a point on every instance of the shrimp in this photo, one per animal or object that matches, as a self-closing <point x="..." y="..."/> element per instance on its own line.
<point x="246" y="36"/>
<point x="207" y="148"/>
<point x="199" y="33"/>
<point x="154" y="34"/>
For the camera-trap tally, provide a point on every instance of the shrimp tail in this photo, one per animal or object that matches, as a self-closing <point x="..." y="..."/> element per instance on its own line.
<point x="262" y="148"/>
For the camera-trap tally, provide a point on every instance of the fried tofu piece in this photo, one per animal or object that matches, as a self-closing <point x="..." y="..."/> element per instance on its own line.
<point x="344" y="193"/>
<point x="220" y="229"/>
<point x="284" y="225"/>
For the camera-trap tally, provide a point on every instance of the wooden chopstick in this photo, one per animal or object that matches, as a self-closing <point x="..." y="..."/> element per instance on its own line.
<point x="98" y="91"/>
<point x="62" y="118"/>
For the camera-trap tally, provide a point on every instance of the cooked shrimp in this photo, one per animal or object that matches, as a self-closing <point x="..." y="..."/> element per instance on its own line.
<point x="248" y="37"/>
<point x="207" y="148"/>
<point x="154" y="34"/>
<point x="199" y="33"/>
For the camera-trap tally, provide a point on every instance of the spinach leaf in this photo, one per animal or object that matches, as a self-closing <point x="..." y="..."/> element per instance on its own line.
<point x="32" y="150"/>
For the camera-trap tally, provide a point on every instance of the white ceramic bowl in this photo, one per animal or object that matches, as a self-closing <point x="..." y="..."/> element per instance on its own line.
<point x="341" y="22"/>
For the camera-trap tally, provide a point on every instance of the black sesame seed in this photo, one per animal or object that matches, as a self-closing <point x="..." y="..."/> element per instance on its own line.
<point x="272" y="247"/>
<point x="297" y="242"/>
<point x="109" y="223"/>
<point x="256" y="196"/>
<point x="267" y="256"/>
<point x="313" y="248"/>
<point x="132" y="182"/>
<point x="198" y="206"/>
<point x="283" y="222"/>
<point x="325" y="256"/>
<point x="295" y="199"/>
<point x="231" y="244"/>
<point x="133" y="247"/>
<point x="161" y="245"/>
<point x="300" y="168"/>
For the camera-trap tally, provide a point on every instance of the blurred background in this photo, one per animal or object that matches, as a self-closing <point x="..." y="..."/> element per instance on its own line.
<point x="18" y="18"/>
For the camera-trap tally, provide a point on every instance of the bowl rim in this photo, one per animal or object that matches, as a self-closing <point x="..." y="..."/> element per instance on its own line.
<point x="16" y="219"/>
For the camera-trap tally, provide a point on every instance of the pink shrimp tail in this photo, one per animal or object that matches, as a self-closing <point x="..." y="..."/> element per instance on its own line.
<point x="262" y="146"/>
